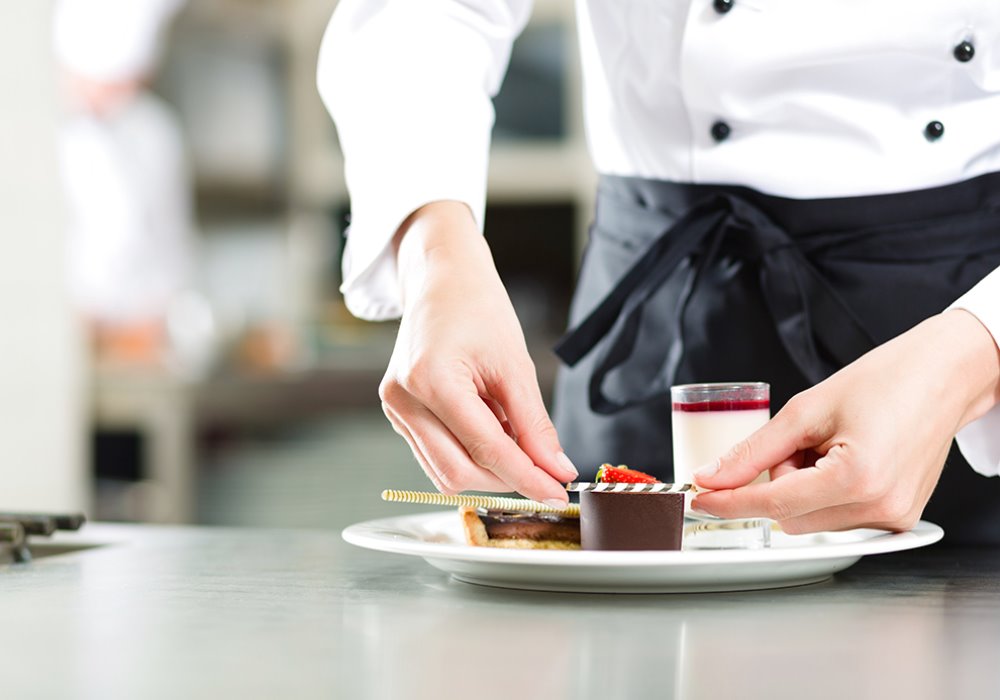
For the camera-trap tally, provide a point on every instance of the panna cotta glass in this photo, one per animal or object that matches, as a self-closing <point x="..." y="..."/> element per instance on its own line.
<point x="708" y="419"/>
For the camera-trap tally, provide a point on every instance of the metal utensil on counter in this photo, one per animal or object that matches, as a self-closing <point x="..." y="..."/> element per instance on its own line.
<point x="15" y="528"/>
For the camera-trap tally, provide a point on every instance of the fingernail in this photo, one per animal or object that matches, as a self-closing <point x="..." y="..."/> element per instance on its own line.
<point x="707" y="471"/>
<point x="696" y="509"/>
<point x="555" y="503"/>
<point x="566" y="464"/>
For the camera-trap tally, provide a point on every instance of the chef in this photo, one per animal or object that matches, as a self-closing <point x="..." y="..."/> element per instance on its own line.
<point x="126" y="177"/>
<point x="801" y="193"/>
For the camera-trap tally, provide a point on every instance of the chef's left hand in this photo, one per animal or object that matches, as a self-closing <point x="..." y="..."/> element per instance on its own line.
<point x="864" y="448"/>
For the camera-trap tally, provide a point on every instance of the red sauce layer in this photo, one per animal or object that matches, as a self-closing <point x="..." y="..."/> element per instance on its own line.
<point x="702" y="406"/>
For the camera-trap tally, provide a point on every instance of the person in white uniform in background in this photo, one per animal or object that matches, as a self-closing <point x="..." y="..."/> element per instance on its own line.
<point x="706" y="120"/>
<point x="126" y="175"/>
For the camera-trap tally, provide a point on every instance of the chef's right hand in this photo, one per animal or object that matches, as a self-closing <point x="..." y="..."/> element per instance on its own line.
<point x="865" y="447"/>
<point x="461" y="388"/>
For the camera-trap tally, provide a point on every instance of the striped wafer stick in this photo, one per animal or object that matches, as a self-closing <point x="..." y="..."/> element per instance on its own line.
<point x="629" y="488"/>
<point x="487" y="502"/>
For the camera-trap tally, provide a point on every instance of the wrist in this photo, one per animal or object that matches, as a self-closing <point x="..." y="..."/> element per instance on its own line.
<point x="439" y="242"/>
<point x="977" y="369"/>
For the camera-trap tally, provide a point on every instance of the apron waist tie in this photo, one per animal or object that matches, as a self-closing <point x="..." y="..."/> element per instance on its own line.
<point x="795" y="292"/>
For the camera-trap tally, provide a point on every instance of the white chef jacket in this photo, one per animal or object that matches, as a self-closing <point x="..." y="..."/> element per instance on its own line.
<point x="796" y="99"/>
<point x="128" y="189"/>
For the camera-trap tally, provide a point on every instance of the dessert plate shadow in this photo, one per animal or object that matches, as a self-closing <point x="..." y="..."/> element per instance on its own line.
<point x="791" y="560"/>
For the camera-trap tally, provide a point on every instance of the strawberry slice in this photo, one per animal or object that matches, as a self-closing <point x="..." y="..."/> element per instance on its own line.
<point x="623" y="475"/>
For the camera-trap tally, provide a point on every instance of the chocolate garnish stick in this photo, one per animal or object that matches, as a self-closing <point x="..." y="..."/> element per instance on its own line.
<point x="487" y="502"/>
<point x="658" y="487"/>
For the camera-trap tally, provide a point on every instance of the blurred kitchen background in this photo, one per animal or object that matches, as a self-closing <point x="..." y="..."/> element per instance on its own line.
<point x="173" y="347"/>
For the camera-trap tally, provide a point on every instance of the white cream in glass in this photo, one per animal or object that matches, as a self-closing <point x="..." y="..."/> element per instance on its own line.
<point x="708" y="419"/>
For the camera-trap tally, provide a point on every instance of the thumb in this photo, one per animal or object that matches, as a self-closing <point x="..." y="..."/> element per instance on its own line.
<point x="775" y="442"/>
<point x="533" y="429"/>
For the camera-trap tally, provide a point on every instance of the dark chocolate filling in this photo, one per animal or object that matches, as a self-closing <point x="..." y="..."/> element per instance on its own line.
<point x="504" y="525"/>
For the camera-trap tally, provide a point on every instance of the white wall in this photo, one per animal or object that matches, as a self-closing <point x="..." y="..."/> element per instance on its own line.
<point x="41" y="348"/>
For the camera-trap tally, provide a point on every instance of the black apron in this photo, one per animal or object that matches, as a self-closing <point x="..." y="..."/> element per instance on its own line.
<point x="700" y="283"/>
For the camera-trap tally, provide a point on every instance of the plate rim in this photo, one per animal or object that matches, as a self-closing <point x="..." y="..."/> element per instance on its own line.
<point x="365" y="535"/>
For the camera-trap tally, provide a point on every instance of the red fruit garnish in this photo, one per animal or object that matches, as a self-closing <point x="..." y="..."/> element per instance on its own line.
<point x="623" y="475"/>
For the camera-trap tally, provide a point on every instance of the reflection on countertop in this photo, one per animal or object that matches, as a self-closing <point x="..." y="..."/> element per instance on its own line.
<point x="219" y="612"/>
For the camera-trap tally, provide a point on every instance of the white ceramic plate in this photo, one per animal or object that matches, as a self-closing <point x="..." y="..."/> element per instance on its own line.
<point x="791" y="560"/>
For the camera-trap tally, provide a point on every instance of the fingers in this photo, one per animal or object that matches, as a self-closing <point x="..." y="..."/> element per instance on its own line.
<point x="839" y="493"/>
<point x="795" y="494"/>
<point x="522" y="404"/>
<point x="442" y="459"/>
<point x="887" y="516"/>
<point x="462" y="441"/>
<point x="880" y="500"/>
<point x="404" y="433"/>
<point x="465" y="416"/>
<point x="802" y="458"/>
<point x="774" y="446"/>
<point x="501" y="416"/>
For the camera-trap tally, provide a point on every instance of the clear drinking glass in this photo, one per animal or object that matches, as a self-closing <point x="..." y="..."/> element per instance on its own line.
<point x="707" y="420"/>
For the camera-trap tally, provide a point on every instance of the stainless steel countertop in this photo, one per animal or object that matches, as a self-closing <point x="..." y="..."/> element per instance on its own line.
<point x="217" y="613"/>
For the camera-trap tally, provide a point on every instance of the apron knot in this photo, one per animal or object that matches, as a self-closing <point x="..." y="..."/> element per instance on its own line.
<point x="815" y="325"/>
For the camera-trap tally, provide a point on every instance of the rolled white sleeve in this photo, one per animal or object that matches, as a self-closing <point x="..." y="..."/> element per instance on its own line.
<point x="409" y="85"/>
<point x="979" y="441"/>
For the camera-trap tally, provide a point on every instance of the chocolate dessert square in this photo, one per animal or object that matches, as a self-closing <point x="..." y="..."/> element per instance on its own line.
<point x="631" y="521"/>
